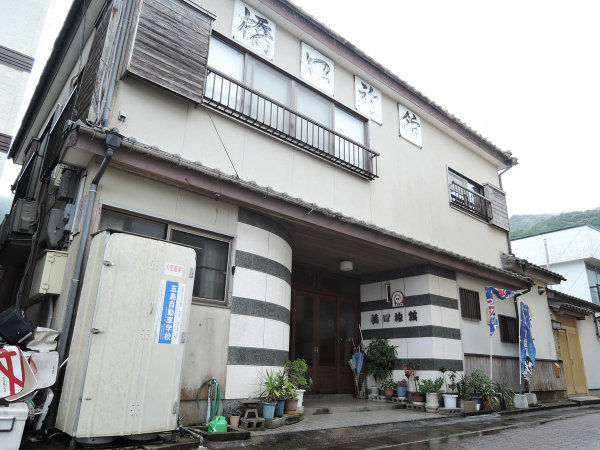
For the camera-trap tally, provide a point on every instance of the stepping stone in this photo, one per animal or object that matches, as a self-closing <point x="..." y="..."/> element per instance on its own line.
<point x="378" y="398"/>
<point x="274" y="423"/>
<point x="293" y="418"/>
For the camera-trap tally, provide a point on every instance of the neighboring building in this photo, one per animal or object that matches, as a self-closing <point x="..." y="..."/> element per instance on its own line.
<point x="577" y="331"/>
<point x="22" y="24"/>
<point x="320" y="192"/>
<point x="572" y="252"/>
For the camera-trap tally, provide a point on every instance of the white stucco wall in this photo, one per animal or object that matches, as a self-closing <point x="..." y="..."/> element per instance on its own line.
<point x="409" y="197"/>
<point x="476" y="333"/>
<point x="590" y="349"/>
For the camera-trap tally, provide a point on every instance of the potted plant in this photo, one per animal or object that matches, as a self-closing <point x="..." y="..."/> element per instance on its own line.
<point x="432" y="389"/>
<point x="381" y="357"/>
<point x="417" y="395"/>
<point x="234" y="418"/>
<point x="504" y="394"/>
<point x="410" y="371"/>
<point x="291" y="400"/>
<point x="281" y="381"/>
<point x="271" y="392"/>
<point x="401" y="387"/>
<point x="388" y="387"/>
<point x="297" y="372"/>
<point x="480" y="386"/>
<point x="449" y="396"/>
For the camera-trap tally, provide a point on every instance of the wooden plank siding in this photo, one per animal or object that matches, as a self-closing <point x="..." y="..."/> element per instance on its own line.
<point x="506" y="370"/>
<point x="497" y="199"/>
<point x="168" y="46"/>
<point x="5" y="142"/>
<point x="91" y="75"/>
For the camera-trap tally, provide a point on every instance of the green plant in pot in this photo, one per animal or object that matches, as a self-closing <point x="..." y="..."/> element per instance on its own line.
<point x="271" y="391"/>
<point x="432" y="389"/>
<point x="388" y="386"/>
<point x="504" y="394"/>
<point x="481" y="387"/>
<point x="281" y="383"/>
<point x="401" y="386"/>
<point x="449" y="395"/>
<point x="381" y="358"/>
<point x="289" y="392"/>
<point x="297" y="373"/>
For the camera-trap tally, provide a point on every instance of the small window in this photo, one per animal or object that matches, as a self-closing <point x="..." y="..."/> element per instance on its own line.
<point x="212" y="255"/>
<point x="593" y="274"/>
<point x="469" y="304"/>
<point x="112" y="220"/>
<point x="509" y="329"/>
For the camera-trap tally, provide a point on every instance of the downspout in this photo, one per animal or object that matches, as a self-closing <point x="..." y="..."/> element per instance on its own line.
<point x="115" y="68"/>
<point x="112" y="142"/>
<point x="513" y="162"/>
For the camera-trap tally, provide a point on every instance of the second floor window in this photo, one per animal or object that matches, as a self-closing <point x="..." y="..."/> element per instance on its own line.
<point x="593" y="274"/>
<point x="320" y="123"/>
<point x="468" y="195"/>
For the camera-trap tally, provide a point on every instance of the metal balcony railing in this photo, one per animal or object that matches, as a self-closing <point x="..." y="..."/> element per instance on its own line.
<point x="234" y="99"/>
<point x="470" y="201"/>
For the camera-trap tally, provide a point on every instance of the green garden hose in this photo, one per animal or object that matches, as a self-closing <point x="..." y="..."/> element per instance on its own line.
<point x="213" y="400"/>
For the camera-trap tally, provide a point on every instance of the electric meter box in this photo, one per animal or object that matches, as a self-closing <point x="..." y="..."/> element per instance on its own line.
<point x="49" y="273"/>
<point x="124" y="371"/>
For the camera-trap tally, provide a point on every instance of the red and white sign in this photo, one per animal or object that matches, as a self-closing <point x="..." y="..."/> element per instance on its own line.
<point x="173" y="269"/>
<point x="398" y="299"/>
<point x="12" y="371"/>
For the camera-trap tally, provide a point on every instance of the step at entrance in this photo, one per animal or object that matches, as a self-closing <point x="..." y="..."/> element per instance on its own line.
<point x="336" y="404"/>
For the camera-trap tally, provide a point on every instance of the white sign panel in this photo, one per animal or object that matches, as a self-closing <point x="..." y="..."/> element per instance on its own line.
<point x="254" y="30"/>
<point x="368" y="100"/>
<point x="410" y="126"/>
<point x="316" y="68"/>
<point x="167" y="323"/>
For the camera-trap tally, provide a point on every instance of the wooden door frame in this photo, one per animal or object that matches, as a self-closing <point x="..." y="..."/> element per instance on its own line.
<point x="570" y="322"/>
<point x="317" y="291"/>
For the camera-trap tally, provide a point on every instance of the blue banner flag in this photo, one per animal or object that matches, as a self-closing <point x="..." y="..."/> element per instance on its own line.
<point x="527" y="346"/>
<point x="502" y="294"/>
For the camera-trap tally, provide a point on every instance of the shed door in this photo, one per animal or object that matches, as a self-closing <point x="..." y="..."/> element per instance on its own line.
<point x="572" y="357"/>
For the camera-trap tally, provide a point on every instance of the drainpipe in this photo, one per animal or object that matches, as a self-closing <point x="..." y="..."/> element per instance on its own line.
<point x="115" y="67"/>
<point x="112" y="142"/>
<point x="513" y="162"/>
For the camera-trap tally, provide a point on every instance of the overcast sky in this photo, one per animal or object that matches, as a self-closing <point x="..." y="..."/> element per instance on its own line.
<point x="524" y="74"/>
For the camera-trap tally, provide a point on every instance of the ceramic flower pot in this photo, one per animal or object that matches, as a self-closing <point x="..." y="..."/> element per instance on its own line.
<point x="389" y="392"/>
<point x="291" y="405"/>
<point x="418" y="397"/>
<point x="450" y="400"/>
<point x="234" y="420"/>
<point x="300" y="396"/>
<point x="401" y="391"/>
<point x="269" y="410"/>
<point x="432" y="399"/>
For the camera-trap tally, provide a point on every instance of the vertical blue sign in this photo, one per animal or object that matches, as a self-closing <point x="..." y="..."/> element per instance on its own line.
<point x="167" y="319"/>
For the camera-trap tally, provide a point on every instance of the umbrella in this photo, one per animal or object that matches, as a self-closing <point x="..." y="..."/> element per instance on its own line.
<point x="358" y="359"/>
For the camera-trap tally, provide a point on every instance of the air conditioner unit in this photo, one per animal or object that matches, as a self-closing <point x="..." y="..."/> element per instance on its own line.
<point x="23" y="217"/>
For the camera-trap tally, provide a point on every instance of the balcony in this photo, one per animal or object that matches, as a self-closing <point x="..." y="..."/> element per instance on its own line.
<point x="470" y="201"/>
<point x="242" y="103"/>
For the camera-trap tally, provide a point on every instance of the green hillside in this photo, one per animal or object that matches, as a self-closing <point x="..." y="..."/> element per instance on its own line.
<point x="529" y="225"/>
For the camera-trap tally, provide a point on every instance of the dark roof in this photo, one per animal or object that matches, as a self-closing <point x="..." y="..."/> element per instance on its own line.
<point x="570" y="300"/>
<point x="515" y="264"/>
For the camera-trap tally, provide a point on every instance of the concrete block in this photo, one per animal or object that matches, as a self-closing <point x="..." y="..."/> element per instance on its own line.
<point x="431" y="408"/>
<point x="450" y="411"/>
<point x="274" y="423"/>
<point x="531" y="399"/>
<point x="293" y="418"/>
<point x="252" y="424"/>
<point x="521" y="401"/>
<point x="469" y="406"/>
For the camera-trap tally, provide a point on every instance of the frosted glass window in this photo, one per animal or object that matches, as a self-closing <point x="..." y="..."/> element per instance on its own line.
<point x="318" y="109"/>
<point x="352" y="127"/>
<point x="271" y="83"/>
<point x="226" y="59"/>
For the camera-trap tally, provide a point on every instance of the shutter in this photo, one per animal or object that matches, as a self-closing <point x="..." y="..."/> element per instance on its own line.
<point x="168" y="46"/>
<point x="497" y="200"/>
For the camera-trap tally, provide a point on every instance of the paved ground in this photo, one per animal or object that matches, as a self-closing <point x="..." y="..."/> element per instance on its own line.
<point x="581" y="432"/>
<point x="574" y="427"/>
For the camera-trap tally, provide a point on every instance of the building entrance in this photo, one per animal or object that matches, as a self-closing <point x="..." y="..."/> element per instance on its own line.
<point x="325" y="327"/>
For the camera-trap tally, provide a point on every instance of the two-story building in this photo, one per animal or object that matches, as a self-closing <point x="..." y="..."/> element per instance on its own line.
<point x="326" y="198"/>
